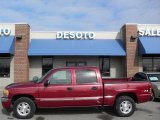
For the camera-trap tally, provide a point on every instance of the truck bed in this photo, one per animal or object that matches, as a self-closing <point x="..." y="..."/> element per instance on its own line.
<point x="115" y="80"/>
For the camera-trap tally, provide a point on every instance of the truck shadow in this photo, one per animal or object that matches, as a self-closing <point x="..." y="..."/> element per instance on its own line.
<point x="103" y="113"/>
<point x="8" y="114"/>
<point x="57" y="111"/>
<point x="157" y="100"/>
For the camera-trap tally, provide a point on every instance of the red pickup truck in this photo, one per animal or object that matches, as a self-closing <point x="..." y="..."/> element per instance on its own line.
<point x="75" y="87"/>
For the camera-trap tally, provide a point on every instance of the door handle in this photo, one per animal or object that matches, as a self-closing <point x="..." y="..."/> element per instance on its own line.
<point x="94" y="88"/>
<point x="69" y="88"/>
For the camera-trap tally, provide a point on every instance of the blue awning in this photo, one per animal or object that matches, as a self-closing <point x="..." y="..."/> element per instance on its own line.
<point x="7" y="44"/>
<point x="45" y="47"/>
<point x="149" y="45"/>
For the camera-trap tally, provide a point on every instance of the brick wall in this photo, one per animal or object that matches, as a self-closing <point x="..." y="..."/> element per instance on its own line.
<point x="131" y="46"/>
<point x="21" y="62"/>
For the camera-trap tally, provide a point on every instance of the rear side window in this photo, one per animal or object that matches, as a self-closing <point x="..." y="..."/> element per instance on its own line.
<point x="86" y="76"/>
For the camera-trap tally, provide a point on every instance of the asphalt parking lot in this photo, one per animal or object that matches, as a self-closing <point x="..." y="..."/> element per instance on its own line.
<point x="145" y="111"/>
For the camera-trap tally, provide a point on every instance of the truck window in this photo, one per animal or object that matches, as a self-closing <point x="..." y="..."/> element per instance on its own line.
<point x="60" y="77"/>
<point x="86" y="76"/>
<point x="154" y="77"/>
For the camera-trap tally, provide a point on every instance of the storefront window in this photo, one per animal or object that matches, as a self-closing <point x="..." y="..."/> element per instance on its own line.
<point x="75" y="64"/>
<point x="5" y="67"/>
<point x="47" y="64"/>
<point x="105" y="66"/>
<point x="151" y="64"/>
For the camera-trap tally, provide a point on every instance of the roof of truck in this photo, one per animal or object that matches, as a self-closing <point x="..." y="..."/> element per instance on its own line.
<point x="84" y="67"/>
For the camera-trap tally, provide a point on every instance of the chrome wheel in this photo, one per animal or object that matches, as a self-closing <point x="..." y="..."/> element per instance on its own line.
<point x="126" y="107"/>
<point x="23" y="109"/>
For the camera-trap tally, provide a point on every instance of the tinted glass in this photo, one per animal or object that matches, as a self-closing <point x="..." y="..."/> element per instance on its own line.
<point x="5" y="67"/>
<point x="154" y="77"/>
<point x="156" y="64"/>
<point x="75" y="64"/>
<point x="140" y="77"/>
<point x="61" y="77"/>
<point x="151" y="64"/>
<point x="86" y="76"/>
<point x="104" y="66"/>
<point x="47" y="64"/>
<point x="147" y="64"/>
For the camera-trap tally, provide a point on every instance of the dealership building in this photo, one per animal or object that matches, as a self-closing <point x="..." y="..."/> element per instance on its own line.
<point x="25" y="53"/>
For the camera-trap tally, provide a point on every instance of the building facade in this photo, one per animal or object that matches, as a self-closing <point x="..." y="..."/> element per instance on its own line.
<point x="25" y="54"/>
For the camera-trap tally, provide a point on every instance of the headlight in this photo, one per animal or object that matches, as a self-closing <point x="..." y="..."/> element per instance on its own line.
<point x="5" y="92"/>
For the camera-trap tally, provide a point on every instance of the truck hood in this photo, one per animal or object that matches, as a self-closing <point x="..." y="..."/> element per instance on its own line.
<point x="21" y="84"/>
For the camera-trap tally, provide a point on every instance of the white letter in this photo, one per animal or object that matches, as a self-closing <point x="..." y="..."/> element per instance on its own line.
<point x="66" y="35"/>
<point x="153" y="32"/>
<point x="85" y="35"/>
<point x="72" y="35"/>
<point x="6" y="31"/>
<point x="158" y="32"/>
<point x="141" y="32"/>
<point x="147" y="32"/>
<point x="0" y="31"/>
<point x="79" y="35"/>
<point x="91" y="35"/>
<point x="59" y="35"/>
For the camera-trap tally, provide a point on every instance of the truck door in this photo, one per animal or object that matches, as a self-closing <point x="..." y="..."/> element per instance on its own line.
<point x="59" y="92"/>
<point x="88" y="90"/>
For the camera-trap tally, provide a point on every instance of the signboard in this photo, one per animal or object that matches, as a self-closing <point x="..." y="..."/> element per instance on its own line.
<point x="75" y="35"/>
<point x="5" y="31"/>
<point x="149" y="32"/>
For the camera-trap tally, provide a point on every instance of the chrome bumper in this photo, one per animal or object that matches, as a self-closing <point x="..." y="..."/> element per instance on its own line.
<point x="4" y="99"/>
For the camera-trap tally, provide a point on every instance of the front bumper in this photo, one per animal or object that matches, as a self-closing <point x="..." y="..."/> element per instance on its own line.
<point x="6" y="103"/>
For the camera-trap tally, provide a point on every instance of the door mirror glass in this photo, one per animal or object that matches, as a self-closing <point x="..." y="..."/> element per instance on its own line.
<point x="35" y="78"/>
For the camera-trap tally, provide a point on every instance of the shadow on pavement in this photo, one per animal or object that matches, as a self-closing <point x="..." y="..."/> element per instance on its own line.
<point x="57" y="111"/>
<point x="104" y="113"/>
<point x="6" y="112"/>
<point x="108" y="113"/>
<point x="144" y="110"/>
<point x="105" y="117"/>
<point x="40" y="118"/>
<point x="156" y="100"/>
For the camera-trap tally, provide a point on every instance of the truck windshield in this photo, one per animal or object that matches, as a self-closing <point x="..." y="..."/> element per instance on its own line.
<point x="154" y="77"/>
<point x="41" y="79"/>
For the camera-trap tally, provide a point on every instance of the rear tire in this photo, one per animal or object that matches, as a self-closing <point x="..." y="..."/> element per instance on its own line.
<point x="24" y="108"/>
<point x="124" y="106"/>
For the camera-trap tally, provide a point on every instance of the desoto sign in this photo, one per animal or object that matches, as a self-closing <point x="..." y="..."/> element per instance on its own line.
<point x="149" y="32"/>
<point x="75" y="35"/>
<point x="5" y="31"/>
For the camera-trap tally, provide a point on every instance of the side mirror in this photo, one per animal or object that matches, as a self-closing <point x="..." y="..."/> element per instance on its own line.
<point x="46" y="83"/>
<point x="35" y="78"/>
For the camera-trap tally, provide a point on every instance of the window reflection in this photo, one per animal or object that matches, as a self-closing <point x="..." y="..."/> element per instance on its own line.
<point x="5" y="67"/>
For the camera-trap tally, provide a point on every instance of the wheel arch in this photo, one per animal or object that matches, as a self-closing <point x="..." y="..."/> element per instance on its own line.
<point x="15" y="97"/>
<point x="129" y="94"/>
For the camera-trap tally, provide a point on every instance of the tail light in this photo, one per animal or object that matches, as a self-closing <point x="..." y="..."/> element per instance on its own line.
<point x="150" y="90"/>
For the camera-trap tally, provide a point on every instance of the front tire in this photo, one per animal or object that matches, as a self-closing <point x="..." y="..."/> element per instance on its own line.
<point x="124" y="106"/>
<point x="24" y="108"/>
